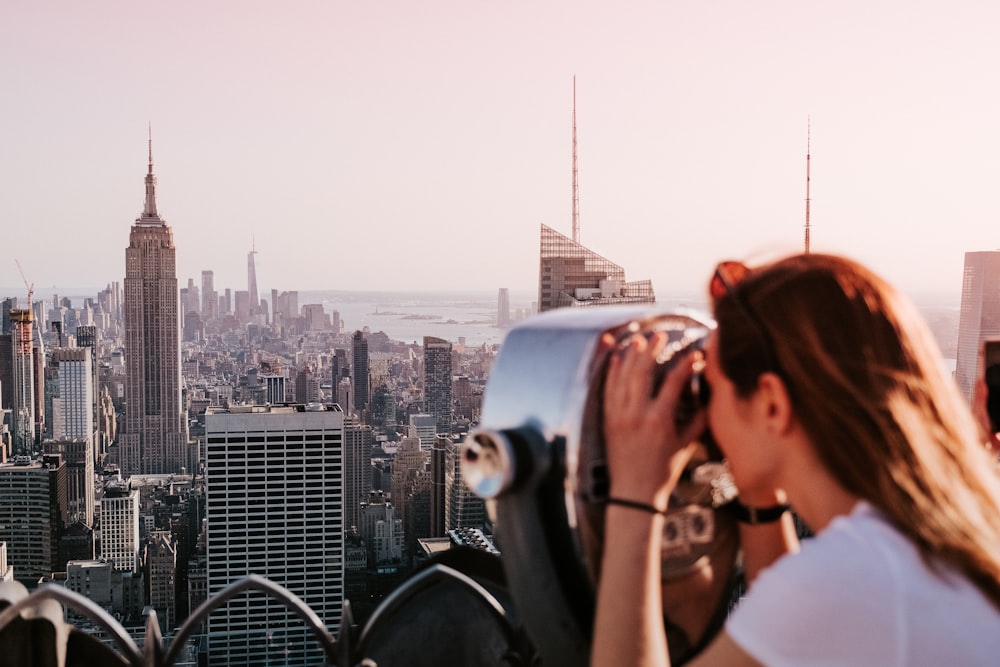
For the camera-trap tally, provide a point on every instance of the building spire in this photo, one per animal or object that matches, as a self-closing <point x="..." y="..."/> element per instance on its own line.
<point x="576" y="179"/>
<point x="808" y="159"/>
<point x="149" y="209"/>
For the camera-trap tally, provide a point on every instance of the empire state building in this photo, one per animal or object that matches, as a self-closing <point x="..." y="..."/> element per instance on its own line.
<point x="154" y="440"/>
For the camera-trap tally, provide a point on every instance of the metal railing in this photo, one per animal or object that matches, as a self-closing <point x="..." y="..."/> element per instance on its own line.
<point x="157" y="652"/>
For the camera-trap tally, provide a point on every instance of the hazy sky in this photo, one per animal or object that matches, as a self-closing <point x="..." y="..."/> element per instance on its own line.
<point x="419" y="145"/>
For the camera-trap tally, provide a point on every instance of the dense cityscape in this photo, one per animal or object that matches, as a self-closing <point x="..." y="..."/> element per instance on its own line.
<point x="161" y="443"/>
<point x="316" y="444"/>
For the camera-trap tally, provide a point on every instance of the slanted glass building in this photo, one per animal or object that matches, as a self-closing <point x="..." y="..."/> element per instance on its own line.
<point x="571" y="275"/>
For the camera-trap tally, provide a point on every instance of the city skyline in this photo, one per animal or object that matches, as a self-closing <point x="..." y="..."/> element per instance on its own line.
<point x="385" y="130"/>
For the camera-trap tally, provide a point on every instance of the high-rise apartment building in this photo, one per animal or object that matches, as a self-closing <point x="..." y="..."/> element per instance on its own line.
<point x="437" y="383"/>
<point x="571" y="275"/>
<point x="22" y="395"/>
<point x="32" y="514"/>
<point x="275" y="507"/>
<point x="360" y="371"/>
<point x="73" y="407"/>
<point x="120" y="527"/>
<point x="358" y="442"/>
<point x="424" y="426"/>
<point x="463" y="508"/>
<point x="73" y="426"/>
<point x="409" y="464"/>
<point x="155" y="434"/>
<point x="979" y="318"/>
<point x="161" y="558"/>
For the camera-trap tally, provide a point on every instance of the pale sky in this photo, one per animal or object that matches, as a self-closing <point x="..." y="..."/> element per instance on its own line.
<point x="418" y="145"/>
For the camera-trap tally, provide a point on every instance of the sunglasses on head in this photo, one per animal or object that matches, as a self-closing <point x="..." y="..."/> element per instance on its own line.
<point x="727" y="276"/>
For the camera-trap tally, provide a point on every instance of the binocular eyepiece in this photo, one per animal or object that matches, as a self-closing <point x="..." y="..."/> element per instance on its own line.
<point x="538" y="458"/>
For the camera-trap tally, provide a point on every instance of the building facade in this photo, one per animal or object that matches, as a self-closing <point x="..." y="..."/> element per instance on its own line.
<point x="161" y="559"/>
<point x="360" y="370"/>
<point x="155" y="436"/>
<point x="120" y="527"/>
<point x="32" y="514"/>
<point x="979" y="318"/>
<point x="437" y="383"/>
<point x="22" y="405"/>
<point x="571" y="275"/>
<point x="275" y="507"/>
<point x="358" y="441"/>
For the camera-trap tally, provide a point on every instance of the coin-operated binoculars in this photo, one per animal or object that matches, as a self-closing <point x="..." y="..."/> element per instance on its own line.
<point x="538" y="458"/>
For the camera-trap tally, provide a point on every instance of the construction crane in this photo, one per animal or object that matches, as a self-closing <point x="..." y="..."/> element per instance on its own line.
<point x="30" y="287"/>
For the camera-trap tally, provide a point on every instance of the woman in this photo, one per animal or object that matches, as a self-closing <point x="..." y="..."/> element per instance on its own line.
<point x="827" y="392"/>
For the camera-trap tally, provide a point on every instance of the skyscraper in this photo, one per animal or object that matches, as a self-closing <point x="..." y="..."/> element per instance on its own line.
<point x="979" y="318"/>
<point x="360" y="370"/>
<point x="209" y="297"/>
<point x="120" y="527"/>
<point x="503" y="308"/>
<point x="155" y="435"/>
<point x="275" y="489"/>
<point x="252" y="283"/>
<point x="73" y="427"/>
<point x="437" y="384"/>
<point x="32" y="514"/>
<point x="571" y="275"/>
<point x="23" y="387"/>
<point x="358" y="441"/>
<point x="424" y="427"/>
<point x="463" y="508"/>
<point x="161" y="558"/>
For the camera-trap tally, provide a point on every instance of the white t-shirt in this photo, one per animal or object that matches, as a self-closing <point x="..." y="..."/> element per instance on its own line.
<point x="859" y="594"/>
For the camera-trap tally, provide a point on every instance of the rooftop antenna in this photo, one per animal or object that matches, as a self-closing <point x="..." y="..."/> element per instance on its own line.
<point x="576" y="178"/>
<point x="808" y="158"/>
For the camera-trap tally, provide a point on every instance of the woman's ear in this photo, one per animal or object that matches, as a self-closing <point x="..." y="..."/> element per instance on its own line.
<point x="775" y="404"/>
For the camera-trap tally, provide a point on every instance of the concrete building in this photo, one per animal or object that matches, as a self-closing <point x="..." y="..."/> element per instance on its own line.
<point x="424" y="426"/>
<point x="463" y="508"/>
<point x="360" y="371"/>
<point x="274" y="388"/>
<point x="209" y="297"/>
<point x="437" y="383"/>
<point x="979" y="318"/>
<point x="32" y="514"/>
<point x="571" y="275"/>
<point x="73" y="426"/>
<point x="155" y="436"/>
<point x="119" y="513"/>
<point x="275" y="507"/>
<point x="382" y="530"/>
<point x="503" y="308"/>
<point x="409" y="464"/>
<point x="22" y="378"/>
<point x="358" y="441"/>
<point x="161" y="559"/>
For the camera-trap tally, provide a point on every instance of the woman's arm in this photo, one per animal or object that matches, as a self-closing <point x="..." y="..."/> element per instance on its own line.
<point x="646" y="455"/>
<point x="629" y="629"/>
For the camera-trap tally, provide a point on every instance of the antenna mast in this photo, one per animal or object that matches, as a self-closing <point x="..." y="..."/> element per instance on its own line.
<point x="576" y="179"/>
<point x="808" y="159"/>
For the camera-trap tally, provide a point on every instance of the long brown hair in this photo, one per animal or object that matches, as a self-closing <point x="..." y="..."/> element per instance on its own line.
<point x="869" y="387"/>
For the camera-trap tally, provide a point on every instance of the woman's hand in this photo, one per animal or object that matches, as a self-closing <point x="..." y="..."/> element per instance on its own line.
<point x="646" y="449"/>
